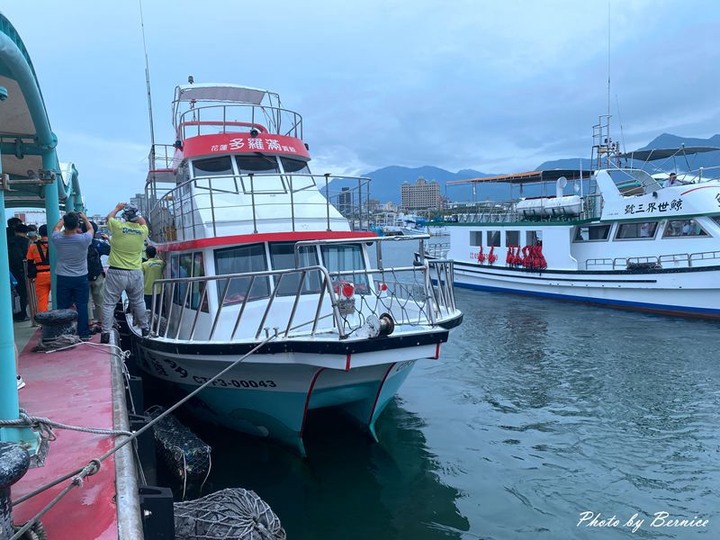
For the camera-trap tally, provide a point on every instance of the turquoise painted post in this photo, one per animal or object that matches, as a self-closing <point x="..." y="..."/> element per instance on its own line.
<point x="52" y="212"/>
<point x="9" y="404"/>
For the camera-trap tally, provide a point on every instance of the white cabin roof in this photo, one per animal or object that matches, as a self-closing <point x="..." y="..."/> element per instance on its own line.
<point x="221" y="92"/>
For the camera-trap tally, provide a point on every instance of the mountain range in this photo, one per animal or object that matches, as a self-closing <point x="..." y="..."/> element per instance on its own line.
<point x="386" y="182"/>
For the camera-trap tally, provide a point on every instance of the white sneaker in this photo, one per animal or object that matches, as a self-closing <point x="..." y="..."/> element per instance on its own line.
<point x="20" y="382"/>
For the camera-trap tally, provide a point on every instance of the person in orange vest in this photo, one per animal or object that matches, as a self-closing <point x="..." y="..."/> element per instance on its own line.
<point x="38" y="253"/>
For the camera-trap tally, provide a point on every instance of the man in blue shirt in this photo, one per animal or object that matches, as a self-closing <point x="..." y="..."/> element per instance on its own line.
<point x="71" y="270"/>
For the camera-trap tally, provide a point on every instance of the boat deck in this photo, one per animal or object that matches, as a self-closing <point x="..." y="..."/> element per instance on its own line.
<point x="73" y="387"/>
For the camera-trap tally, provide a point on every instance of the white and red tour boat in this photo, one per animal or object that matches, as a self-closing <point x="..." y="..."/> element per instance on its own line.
<point x="265" y="257"/>
<point x="621" y="237"/>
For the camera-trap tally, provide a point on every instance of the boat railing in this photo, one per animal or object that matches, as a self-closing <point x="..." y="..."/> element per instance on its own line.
<point x="186" y="211"/>
<point x="239" y="117"/>
<point x="671" y="260"/>
<point x="178" y="303"/>
<point x="507" y="212"/>
<point x="296" y="303"/>
<point x="425" y="287"/>
<point x="161" y="156"/>
<point x="438" y="250"/>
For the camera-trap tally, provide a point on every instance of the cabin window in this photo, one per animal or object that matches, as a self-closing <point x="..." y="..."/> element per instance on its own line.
<point x="184" y="266"/>
<point x="183" y="269"/>
<point x="240" y="260"/>
<point x="175" y="273"/>
<point x="683" y="227"/>
<point x="642" y="230"/>
<point x="282" y="256"/>
<point x="493" y="238"/>
<point x="303" y="180"/>
<point x="290" y="165"/>
<point x="512" y="238"/>
<point x="197" y="293"/>
<point x="345" y="262"/>
<point x="476" y="238"/>
<point x="592" y="233"/>
<point x="256" y="164"/>
<point x="532" y="238"/>
<point x="216" y="166"/>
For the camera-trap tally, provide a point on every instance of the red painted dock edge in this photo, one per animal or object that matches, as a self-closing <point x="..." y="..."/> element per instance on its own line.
<point x="73" y="387"/>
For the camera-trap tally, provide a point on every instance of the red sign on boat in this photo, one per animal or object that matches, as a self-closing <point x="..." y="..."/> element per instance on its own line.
<point x="243" y="142"/>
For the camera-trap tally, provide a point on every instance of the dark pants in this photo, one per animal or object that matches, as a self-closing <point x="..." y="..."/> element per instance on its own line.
<point x="21" y="288"/>
<point x="75" y="290"/>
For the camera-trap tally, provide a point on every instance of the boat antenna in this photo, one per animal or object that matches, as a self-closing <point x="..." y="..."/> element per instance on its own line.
<point x="149" y="96"/>
<point x="622" y="133"/>
<point x="608" y="61"/>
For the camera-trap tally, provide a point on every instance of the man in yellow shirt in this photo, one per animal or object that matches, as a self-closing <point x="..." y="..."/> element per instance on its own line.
<point x="127" y="241"/>
<point x="152" y="271"/>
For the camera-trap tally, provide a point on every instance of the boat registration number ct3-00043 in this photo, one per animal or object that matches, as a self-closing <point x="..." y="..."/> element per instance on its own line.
<point x="234" y="383"/>
<point x="170" y="369"/>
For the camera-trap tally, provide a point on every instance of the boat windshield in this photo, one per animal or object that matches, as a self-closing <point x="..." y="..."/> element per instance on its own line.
<point x="215" y="166"/>
<point x="633" y="181"/>
<point x="291" y="165"/>
<point x="257" y="164"/>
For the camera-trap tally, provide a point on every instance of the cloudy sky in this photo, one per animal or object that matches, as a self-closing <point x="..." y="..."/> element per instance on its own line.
<point x="492" y="86"/>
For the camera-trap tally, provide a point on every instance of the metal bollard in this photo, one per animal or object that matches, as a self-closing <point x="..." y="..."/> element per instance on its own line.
<point x="57" y="322"/>
<point x="146" y="446"/>
<point x="156" y="505"/>
<point x="14" y="463"/>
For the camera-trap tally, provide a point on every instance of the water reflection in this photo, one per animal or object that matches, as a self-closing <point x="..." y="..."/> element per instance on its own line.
<point x="574" y="408"/>
<point x="348" y="487"/>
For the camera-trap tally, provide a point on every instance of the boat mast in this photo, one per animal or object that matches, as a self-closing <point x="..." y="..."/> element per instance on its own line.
<point x="149" y="96"/>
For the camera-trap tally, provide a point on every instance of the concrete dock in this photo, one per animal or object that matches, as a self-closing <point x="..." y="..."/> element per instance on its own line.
<point x="78" y="387"/>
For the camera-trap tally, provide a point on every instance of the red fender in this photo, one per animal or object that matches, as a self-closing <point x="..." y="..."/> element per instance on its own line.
<point x="491" y="256"/>
<point x="509" y="257"/>
<point x="481" y="256"/>
<point x="525" y="261"/>
<point x="541" y="262"/>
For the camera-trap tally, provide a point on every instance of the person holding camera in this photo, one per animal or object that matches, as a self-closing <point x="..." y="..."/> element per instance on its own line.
<point x="124" y="273"/>
<point x="71" y="245"/>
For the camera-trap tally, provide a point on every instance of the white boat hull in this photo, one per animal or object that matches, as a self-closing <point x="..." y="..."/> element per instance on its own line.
<point x="270" y="393"/>
<point x="691" y="291"/>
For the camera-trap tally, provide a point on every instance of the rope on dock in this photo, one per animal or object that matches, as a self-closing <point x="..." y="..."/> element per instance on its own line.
<point x="45" y="426"/>
<point x="36" y="532"/>
<point x="58" y="343"/>
<point x="91" y="468"/>
<point x="96" y="462"/>
<point x="229" y="513"/>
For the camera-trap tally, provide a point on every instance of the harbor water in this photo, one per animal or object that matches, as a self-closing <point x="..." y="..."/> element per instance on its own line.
<point x="541" y="419"/>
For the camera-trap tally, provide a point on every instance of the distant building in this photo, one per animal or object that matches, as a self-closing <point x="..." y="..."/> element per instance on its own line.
<point x="345" y="201"/>
<point x="34" y="217"/>
<point x="422" y="195"/>
<point x="140" y="201"/>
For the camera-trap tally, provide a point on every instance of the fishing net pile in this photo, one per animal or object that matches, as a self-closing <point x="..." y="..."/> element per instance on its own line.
<point x="231" y="513"/>
<point x="186" y="455"/>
